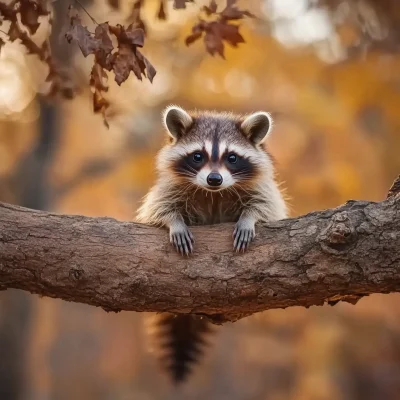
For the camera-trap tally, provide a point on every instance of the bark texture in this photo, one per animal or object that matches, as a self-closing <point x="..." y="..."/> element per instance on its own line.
<point x="327" y="256"/>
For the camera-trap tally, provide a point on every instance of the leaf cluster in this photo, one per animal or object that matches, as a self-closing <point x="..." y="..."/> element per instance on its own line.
<point x="221" y="29"/>
<point x="27" y="13"/>
<point x="115" y="48"/>
<point x="123" y="60"/>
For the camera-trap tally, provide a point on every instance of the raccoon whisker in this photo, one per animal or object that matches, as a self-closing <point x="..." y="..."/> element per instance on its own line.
<point x="244" y="190"/>
<point x="186" y="174"/>
<point x="190" y="168"/>
<point x="233" y="190"/>
<point x="243" y="176"/>
<point x="177" y="195"/>
<point x="197" y="188"/>
<point x="242" y="172"/>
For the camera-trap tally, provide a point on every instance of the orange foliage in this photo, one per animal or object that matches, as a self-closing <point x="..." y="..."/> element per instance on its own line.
<point x="336" y="138"/>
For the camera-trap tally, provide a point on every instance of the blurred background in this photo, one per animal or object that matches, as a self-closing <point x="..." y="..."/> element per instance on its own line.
<point x="329" y="71"/>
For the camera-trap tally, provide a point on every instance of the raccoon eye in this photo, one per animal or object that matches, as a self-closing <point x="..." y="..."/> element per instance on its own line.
<point x="232" y="158"/>
<point x="197" y="157"/>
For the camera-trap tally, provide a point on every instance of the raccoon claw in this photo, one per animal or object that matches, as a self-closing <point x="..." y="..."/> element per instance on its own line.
<point x="242" y="237"/>
<point x="182" y="240"/>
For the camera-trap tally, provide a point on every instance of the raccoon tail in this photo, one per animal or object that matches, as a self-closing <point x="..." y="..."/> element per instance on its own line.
<point x="181" y="338"/>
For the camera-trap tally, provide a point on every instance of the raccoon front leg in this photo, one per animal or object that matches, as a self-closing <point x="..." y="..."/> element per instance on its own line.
<point x="244" y="231"/>
<point x="180" y="236"/>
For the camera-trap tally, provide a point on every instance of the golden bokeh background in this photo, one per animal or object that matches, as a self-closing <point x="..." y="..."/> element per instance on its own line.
<point x="330" y="75"/>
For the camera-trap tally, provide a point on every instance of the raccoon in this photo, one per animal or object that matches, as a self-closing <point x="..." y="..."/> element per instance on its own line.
<point x="214" y="168"/>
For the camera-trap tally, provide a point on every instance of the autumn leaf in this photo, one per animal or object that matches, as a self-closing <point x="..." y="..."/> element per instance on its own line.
<point x="105" y="43"/>
<point x="180" y="4"/>
<point x="231" y="12"/>
<point x="135" y="36"/>
<point x="150" y="70"/>
<point x="128" y="58"/>
<point x="61" y="83"/>
<point x="114" y="4"/>
<point x="216" y="32"/>
<point x="30" y="12"/>
<point x="125" y="61"/>
<point x="100" y="105"/>
<point x="230" y="33"/>
<point x="197" y="32"/>
<point x="98" y="78"/>
<point x="213" y="40"/>
<point x="135" y="16"/>
<point x="161" y="14"/>
<point x="80" y="34"/>
<point x="219" y="30"/>
<point x="211" y="8"/>
<point x="14" y="32"/>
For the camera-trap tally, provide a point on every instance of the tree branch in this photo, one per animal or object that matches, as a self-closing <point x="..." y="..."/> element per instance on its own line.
<point x="323" y="257"/>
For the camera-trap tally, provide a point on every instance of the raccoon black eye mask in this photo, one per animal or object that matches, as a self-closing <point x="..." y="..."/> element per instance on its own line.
<point x="214" y="169"/>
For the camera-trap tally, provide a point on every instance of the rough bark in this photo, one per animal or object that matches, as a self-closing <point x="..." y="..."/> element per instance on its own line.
<point x="323" y="257"/>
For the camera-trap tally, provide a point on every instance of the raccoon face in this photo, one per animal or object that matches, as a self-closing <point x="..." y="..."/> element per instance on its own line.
<point x="215" y="151"/>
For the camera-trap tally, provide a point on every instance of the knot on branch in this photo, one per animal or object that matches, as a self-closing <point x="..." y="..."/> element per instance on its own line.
<point x="76" y="273"/>
<point x="339" y="234"/>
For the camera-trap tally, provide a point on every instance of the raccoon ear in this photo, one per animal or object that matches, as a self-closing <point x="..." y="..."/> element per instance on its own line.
<point x="257" y="126"/>
<point x="176" y="121"/>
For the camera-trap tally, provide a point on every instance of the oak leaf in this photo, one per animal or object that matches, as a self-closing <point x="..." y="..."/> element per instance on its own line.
<point x="30" y="12"/>
<point x="219" y="30"/>
<point x="80" y="34"/>
<point x="106" y="46"/>
<point x="128" y="58"/>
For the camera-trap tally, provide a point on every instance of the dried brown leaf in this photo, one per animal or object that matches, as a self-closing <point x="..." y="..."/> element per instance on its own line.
<point x="211" y="8"/>
<point x="219" y="31"/>
<point x="114" y="4"/>
<point x="193" y="37"/>
<point x="61" y="83"/>
<point x="213" y="40"/>
<point x="230" y="33"/>
<point x="161" y="14"/>
<point x="128" y="58"/>
<point x="233" y="13"/>
<point x="197" y="32"/>
<point x="106" y="46"/>
<point x="135" y="16"/>
<point x="135" y="36"/>
<point x="100" y="105"/>
<point x="14" y="32"/>
<point x="80" y="34"/>
<point x="98" y="78"/>
<point x="150" y="70"/>
<point x="123" y="62"/>
<point x="180" y="4"/>
<point x="30" y="12"/>
<point x="131" y="35"/>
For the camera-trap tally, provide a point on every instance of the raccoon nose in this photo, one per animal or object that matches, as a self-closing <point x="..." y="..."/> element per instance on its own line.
<point x="214" y="179"/>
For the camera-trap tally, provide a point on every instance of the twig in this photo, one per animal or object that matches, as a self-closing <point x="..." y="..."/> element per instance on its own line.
<point x="84" y="9"/>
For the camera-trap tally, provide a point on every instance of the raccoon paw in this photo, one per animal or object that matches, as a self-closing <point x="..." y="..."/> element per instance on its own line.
<point x="243" y="234"/>
<point x="182" y="239"/>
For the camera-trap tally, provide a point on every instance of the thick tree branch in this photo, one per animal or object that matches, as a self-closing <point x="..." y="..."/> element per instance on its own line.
<point x="340" y="254"/>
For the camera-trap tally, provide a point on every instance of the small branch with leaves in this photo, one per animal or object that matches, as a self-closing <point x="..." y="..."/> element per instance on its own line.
<point x="122" y="61"/>
<point x="216" y="28"/>
<point x="29" y="13"/>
